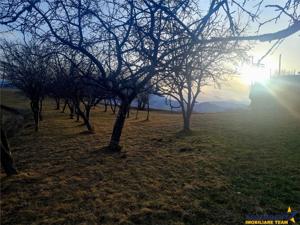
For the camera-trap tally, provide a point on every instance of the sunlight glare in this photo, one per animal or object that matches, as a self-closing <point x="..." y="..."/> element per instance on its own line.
<point x="251" y="74"/>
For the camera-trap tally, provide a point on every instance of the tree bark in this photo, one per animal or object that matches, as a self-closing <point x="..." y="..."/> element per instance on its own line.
<point x="118" y="126"/>
<point x="40" y="110"/>
<point x="88" y="112"/>
<point x="65" y="105"/>
<point x="148" y="110"/>
<point x="57" y="100"/>
<point x="105" y="105"/>
<point x="77" y="115"/>
<point x="186" y="121"/>
<point x="72" y="109"/>
<point x="128" y="112"/>
<point x="7" y="162"/>
<point x="36" y="113"/>
<point x="113" y="106"/>
<point x="86" y="117"/>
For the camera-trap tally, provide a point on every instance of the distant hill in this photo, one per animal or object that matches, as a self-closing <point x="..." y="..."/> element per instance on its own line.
<point x="158" y="102"/>
<point x="219" y="106"/>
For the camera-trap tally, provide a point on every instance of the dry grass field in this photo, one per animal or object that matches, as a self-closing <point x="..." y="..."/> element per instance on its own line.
<point x="230" y="165"/>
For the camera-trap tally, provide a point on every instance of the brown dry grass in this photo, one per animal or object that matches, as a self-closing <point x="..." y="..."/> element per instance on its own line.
<point x="230" y="165"/>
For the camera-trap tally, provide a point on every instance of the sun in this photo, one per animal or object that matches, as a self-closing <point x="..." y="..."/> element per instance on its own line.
<point x="252" y="73"/>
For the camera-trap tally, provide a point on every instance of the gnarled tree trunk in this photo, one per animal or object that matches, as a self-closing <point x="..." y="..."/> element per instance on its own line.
<point x="85" y="116"/>
<point x="118" y="126"/>
<point x="7" y="162"/>
<point x="65" y="105"/>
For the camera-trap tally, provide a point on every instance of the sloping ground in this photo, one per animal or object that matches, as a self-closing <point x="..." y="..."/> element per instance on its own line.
<point x="231" y="165"/>
<point x="277" y="94"/>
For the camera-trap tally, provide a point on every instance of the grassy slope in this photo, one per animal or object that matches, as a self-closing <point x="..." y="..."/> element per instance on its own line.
<point x="230" y="165"/>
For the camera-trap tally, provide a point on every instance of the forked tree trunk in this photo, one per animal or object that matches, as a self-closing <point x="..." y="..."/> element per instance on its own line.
<point x="118" y="126"/>
<point x="85" y="116"/>
<point x="113" y="106"/>
<point x="65" y="105"/>
<point x="7" y="162"/>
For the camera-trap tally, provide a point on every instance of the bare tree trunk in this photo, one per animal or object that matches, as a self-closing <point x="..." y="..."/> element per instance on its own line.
<point x="7" y="162"/>
<point x="148" y="110"/>
<point x="118" y="126"/>
<point x="57" y="100"/>
<point x="85" y="116"/>
<point x="77" y="115"/>
<point x="40" y="110"/>
<point x="128" y="112"/>
<point x="72" y="109"/>
<point x="65" y="105"/>
<point x="36" y="120"/>
<point x="88" y="112"/>
<point x="137" y="112"/>
<point x="186" y="121"/>
<point x="105" y="105"/>
<point x="35" y="109"/>
<point x="113" y="106"/>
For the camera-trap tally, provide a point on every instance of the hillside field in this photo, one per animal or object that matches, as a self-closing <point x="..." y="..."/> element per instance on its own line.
<point x="230" y="165"/>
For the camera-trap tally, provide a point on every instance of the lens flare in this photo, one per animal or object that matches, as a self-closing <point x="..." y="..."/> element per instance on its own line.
<point x="251" y="74"/>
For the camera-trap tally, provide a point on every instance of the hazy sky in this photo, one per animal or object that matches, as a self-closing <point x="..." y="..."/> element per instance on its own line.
<point x="237" y="89"/>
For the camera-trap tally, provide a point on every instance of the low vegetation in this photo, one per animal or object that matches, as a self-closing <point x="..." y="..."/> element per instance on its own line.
<point x="231" y="164"/>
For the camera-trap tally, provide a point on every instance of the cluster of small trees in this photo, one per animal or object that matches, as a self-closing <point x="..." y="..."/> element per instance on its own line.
<point x="87" y="51"/>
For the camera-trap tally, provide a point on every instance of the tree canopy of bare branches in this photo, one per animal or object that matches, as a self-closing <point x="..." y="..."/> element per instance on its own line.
<point x="135" y="43"/>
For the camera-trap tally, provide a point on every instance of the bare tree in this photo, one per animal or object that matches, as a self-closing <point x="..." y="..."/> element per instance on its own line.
<point x="26" y="66"/>
<point x="197" y="65"/>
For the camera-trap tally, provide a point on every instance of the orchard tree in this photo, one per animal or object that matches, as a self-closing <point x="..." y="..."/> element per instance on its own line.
<point x="26" y="67"/>
<point x="198" y="65"/>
